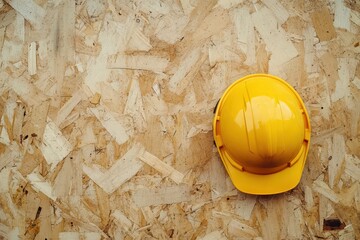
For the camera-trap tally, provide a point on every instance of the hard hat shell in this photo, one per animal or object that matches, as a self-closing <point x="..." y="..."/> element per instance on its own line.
<point x="262" y="133"/>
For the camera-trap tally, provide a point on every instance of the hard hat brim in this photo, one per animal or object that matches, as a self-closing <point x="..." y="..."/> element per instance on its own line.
<point x="266" y="184"/>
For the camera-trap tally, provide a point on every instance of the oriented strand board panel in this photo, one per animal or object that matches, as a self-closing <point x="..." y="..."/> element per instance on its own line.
<point x="106" y="111"/>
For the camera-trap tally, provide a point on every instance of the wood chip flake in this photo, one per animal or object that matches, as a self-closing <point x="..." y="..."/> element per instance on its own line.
<point x="351" y="168"/>
<point x="122" y="220"/>
<point x="109" y="122"/>
<point x="227" y="4"/>
<point x="7" y="18"/>
<point x="69" y="120"/>
<point x="134" y="106"/>
<point x="201" y="128"/>
<point x="166" y="195"/>
<point x="91" y="235"/>
<point x="245" y="34"/>
<point x="237" y="228"/>
<point x="138" y="62"/>
<point x="124" y="169"/>
<point x="55" y="147"/>
<point x="215" y="235"/>
<point x="347" y="233"/>
<point x="163" y="168"/>
<point x="177" y="83"/>
<point x="338" y="154"/>
<point x="32" y="58"/>
<point x="281" y="48"/>
<point x="309" y="200"/>
<point x="31" y="11"/>
<point x="134" y="38"/>
<point x="110" y="40"/>
<point x="346" y="70"/>
<point x="69" y="236"/>
<point x="244" y="207"/>
<point x="4" y="183"/>
<point x="6" y="134"/>
<point x="355" y="17"/>
<point x="79" y="235"/>
<point x="356" y="82"/>
<point x="63" y="182"/>
<point x="66" y="109"/>
<point x="322" y="188"/>
<point x="39" y="184"/>
<point x="28" y="92"/>
<point x="11" y="155"/>
<point x="215" y="22"/>
<point x="357" y="198"/>
<point x="14" y="234"/>
<point x="323" y="24"/>
<point x="170" y="28"/>
<point x="95" y="99"/>
<point x="2" y="37"/>
<point x="4" y="230"/>
<point x="220" y="186"/>
<point x="342" y="15"/>
<point x="279" y="11"/>
<point x="311" y="65"/>
<point x="8" y="233"/>
<point x="222" y="51"/>
<point x="187" y="6"/>
<point x="18" y="122"/>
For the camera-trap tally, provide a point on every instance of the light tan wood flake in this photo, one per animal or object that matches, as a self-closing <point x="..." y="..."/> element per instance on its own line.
<point x="278" y="9"/>
<point x="322" y="188"/>
<point x="179" y="81"/>
<point x="124" y="169"/>
<point x="40" y="184"/>
<point x="237" y="228"/>
<point x="215" y="235"/>
<point x="342" y="15"/>
<point x="138" y="62"/>
<point x="166" y="195"/>
<point x="30" y="10"/>
<point x="109" y="122"/>
<point x="163" y="168"/>
<point x="244" y="28"/>
<point x="67" y="108"/>
<point x="7" y="18"/>
<point x="55" y="147"/>
<point x="277" y="42"/>
<point x="351" y="168"/>
<point x="32" y="58"/>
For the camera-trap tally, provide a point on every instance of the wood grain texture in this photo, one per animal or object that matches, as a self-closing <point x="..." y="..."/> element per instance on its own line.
<point x="106" y="112"/>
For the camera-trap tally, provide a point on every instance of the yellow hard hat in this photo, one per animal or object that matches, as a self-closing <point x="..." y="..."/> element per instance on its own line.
<point x="262" y="133"/>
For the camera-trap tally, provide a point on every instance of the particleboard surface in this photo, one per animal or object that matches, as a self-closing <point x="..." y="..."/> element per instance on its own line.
<point x="106" y="110"/>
